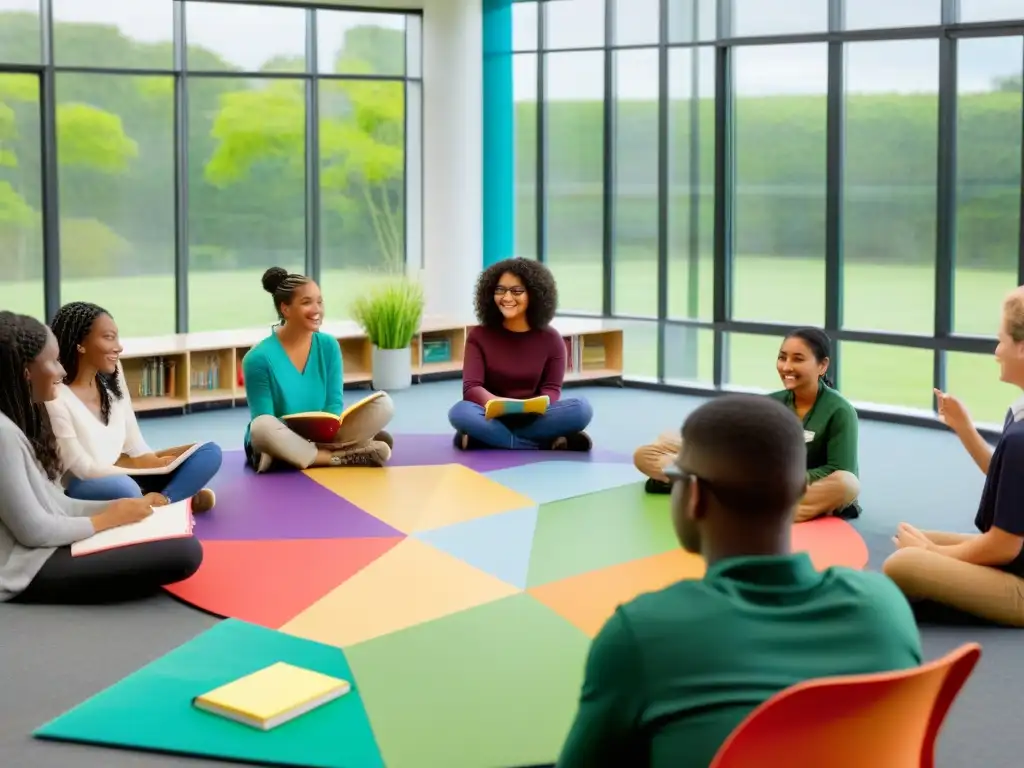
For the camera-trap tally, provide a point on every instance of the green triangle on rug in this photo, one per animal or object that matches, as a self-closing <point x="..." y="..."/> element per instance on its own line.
<point x="152" y="709"/>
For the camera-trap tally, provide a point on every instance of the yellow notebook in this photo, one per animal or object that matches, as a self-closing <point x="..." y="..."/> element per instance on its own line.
<point x="272" y="696"/>
<point x="506" y="406"/>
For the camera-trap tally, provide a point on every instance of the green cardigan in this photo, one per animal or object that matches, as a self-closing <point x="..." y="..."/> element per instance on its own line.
<point x="830" y="428"/>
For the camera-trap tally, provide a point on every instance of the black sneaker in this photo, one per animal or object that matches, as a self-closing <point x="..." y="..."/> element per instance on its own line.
<point x="657" y="486"/>
<point x="851" y="512"/>
<point x="461" y="441"/>
<point x="577" y="441"/>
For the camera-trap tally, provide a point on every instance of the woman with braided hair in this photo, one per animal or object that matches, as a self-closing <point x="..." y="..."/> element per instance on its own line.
<point x="98" y="437"/>
<point x="38" y="522"/>
<point x="298" y="369"/>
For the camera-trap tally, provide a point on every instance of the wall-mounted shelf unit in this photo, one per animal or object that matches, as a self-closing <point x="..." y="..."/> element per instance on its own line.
<point x="178" y="372"/>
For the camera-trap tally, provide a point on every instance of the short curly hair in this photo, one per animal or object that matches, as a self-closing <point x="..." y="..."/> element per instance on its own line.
<point x="540" y="285"/>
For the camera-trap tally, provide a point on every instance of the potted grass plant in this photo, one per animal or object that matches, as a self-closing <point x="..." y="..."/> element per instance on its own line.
<point x="390" y="314"/>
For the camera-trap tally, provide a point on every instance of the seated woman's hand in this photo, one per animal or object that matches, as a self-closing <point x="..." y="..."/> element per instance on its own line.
<point x="121" y="512"/>
<point x="156" y="500"/>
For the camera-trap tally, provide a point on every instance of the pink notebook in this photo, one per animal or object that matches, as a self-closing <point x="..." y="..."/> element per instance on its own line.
<point x="173" y="521"/>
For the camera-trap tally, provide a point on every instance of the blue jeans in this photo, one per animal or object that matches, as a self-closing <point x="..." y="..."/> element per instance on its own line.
<point x="563" y="418"/>
<point x="183" y="483"/>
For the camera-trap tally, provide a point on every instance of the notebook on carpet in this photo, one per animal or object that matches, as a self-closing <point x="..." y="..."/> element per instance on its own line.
<point x="181" y="454"/>
<point x="272" y="696"/>
<point x="319" y="427"/>
<point x="173" y="521"/>
<point x="507" y="406"/>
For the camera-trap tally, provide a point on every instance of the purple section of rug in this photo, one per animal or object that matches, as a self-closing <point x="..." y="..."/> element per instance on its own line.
<point x="429" y="450"/>
<point x="280" y="505"/>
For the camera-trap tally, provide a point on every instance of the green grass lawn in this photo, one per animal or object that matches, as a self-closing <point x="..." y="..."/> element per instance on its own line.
<point x="889" y="298"/>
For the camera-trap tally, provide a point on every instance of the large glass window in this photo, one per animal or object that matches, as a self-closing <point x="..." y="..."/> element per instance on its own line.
<point x="362" y="185"/>
<point x="988" y="179"/>
<point x="242" y="166"/>
<point x="974" y="379"/>
<point x="751" y="361"/>
<point x="879" y="14"/>
<point x="21" y="239"/>
<point x="889" y="198"/>
<point x="574" y="24"/>
<point x="524" y="83"/>
<point x="779" y="244"/>
<point x="886" y="375"/>
<point x="262" y="38"/>
<point x="115" y="148"/>
<point x="779" y="17"/>
<point x="129" y="34"/>
<point x="247" y="185"/>
<point x="19" y="32"/>
<point x="691" y="162"/>
<point x="635" y="207"/>
<point x="575" y="170"/>
<point x="353" y="43"/>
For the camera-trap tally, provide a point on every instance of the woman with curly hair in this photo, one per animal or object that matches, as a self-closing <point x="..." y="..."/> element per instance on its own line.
<point x="515" y="353"/>
<point x="98" y="437"/>
<point x="38" y="522"/>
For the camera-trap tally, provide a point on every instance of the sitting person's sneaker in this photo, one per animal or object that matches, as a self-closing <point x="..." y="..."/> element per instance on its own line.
<point x="204" y="501"/>
<point x="385" y="437"/>
<point x="461" y="441"/>
<point x="261" y="462"/>
<point x="657" y="486"/>
<point x="577" y="441"/>
<point x="852" y="512"/>
<point x="374" y="454"/>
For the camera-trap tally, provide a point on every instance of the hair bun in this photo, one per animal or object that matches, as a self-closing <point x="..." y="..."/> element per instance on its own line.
<point x="273" y="278"/>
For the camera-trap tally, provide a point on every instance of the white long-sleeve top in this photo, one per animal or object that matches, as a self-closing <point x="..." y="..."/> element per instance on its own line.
<point x="89" y="448"/>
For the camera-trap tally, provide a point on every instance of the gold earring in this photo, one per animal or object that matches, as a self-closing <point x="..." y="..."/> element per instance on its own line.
<point x="81" y="349"/>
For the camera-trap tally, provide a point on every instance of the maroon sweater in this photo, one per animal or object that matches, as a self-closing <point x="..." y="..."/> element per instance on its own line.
<point x="503" y="363"/>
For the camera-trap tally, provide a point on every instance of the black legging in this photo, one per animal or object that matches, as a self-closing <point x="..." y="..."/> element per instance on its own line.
<point x="113" y="576"/>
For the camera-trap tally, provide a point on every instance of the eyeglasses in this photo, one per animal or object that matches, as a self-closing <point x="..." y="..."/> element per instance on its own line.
<point x="677" y="475"/>
<point x="501" y="290"/>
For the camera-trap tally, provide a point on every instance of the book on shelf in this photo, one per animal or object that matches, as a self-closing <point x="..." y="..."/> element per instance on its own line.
<point x="573" y="351"/>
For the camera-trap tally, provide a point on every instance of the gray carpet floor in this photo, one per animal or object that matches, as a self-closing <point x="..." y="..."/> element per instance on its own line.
<point x="52" y="658"/>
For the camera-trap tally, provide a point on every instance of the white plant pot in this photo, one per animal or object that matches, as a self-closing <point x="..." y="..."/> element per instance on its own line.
<point x="392" y="368"/>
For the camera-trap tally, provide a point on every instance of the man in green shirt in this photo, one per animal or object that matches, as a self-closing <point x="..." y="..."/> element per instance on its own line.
<point x="830" y="430"/>
<point x="673" y="672"/>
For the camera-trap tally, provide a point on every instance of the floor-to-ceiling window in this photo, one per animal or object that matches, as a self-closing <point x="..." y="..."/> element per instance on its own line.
<point x="713" y="174"/>
<point x="156" y="156"/>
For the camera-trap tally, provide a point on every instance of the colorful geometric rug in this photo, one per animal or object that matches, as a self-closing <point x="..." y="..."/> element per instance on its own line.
<point x="464" y="587"/>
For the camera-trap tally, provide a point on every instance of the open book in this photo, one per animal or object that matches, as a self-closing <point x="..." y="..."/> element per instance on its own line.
<point x="181" y="454"/>
<point x="173" y="521"/>
<point x="506" y="406"/>
<point x="319" y="427"/>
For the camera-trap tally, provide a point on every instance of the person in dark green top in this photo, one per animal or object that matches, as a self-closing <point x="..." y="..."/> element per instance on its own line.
<point x="830" y="428"/>
<point x="673" y="672"/>
<point x="299" y="369"/>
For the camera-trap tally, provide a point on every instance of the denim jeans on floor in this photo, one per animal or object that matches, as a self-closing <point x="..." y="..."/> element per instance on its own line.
<point x="563" y="417"/>
<point x="184" y="483"/>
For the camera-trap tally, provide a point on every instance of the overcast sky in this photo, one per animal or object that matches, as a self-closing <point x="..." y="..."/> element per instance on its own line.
<point x="248" y="36"/>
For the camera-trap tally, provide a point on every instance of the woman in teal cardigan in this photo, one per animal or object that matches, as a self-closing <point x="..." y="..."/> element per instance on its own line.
<point x="298" y="369"/>
<point x="830" y="429"/>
